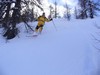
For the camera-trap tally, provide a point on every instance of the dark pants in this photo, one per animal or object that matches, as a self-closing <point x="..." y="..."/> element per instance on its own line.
<point x="39" y="28"/>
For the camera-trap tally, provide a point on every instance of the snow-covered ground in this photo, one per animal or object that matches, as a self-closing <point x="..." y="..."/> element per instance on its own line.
<point x="68" y="49"/>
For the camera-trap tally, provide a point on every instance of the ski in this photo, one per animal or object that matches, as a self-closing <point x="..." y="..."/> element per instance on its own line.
<point x="32" y="36"/>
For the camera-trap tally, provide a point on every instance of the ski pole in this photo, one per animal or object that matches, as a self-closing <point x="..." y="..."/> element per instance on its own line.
<point x="54" y="25"/>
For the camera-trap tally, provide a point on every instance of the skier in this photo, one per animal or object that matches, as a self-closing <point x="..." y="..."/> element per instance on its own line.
<point x="41" y="21"/>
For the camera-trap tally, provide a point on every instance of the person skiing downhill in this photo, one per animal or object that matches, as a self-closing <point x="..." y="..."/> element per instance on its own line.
<point x="41" y="21"/>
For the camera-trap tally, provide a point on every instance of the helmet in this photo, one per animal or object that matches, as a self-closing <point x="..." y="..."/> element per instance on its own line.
<point x="43" y="14"/>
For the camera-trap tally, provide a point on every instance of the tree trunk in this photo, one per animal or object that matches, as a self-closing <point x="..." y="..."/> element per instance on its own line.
<point x="16" y="13"/>
<point x="91" y="10"/>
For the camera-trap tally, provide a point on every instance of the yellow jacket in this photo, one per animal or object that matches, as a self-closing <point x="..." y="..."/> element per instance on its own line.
<point x="42" y="20"/>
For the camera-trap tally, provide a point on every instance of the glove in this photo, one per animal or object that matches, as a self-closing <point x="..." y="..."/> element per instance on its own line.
<point x="51" y="19"/>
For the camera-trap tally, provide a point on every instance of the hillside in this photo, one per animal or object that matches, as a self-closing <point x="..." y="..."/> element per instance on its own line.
<point x="67" y="49"/>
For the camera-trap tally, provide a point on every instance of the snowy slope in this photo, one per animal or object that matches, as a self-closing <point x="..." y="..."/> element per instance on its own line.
<point x="65" y="51"/>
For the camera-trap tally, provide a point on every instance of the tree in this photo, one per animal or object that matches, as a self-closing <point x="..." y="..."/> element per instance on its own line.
<point x="93" y="7"/>
<point x="10" y="22"/>
<point x="29" y="5"/>
<point x="67" y="12"/>
<point x="11" y="15"/>
<point x="51" y="11"/>
<point x="76" y="13"/>
<point x="55" y="9"/>
<point x="91" y="10"/>
<point x="83" y="10"/>
<point x="88" y="8"/>
<point x="5" y="16"/>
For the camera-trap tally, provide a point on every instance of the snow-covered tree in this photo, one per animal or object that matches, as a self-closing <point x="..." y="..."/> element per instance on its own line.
<point x="88" y="8"/>
<point x="83" y="10"/>
<point x="93" y="7"/>
<point x="11" y="14"/>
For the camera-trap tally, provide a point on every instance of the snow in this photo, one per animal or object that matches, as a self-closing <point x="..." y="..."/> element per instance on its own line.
<point x="67" y="49"/>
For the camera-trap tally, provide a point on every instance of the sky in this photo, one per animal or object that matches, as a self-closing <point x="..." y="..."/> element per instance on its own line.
<point x="60" y="7"/>
<point x="62" y="2"/>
